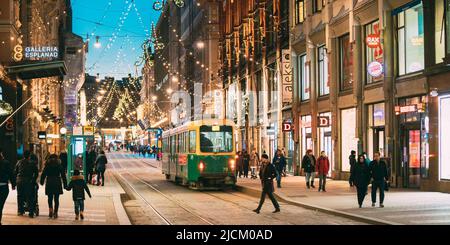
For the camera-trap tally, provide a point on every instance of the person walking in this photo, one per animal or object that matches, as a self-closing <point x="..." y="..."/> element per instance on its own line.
<point x="26" y="174"/>
<point x="309" y="167"/>
<point x="240" y="163"/>
<point x="79" y="162"/>
<point x="246" y="162"/>
<point x="322" y="167"/>
<point x="54" y="178"/>
<point x="63" y="159"/>
<point x="361" y="177"/>
<point x="367" y="161"/>
<point x="78" y="187"/>
<point x="6" y="177"/>
<point x="90" y="162"/>
<point x="352" y="162"/>
<point x="100" y="164"/>
<point x="279" y="161"/>
<point x="267" y="173"/>
<point x="379" y="174"/>
<point x="254" y="160"/>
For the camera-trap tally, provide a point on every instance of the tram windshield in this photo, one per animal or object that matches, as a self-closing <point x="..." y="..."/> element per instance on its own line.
<point x="216" y="139"/>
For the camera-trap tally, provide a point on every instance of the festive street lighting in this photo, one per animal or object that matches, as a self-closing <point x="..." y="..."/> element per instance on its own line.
<point x="200" y="44"/>
<point x="97" y="43"/>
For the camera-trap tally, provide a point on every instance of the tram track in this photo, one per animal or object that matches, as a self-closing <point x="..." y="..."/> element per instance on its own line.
<point x="157" y="211"/>
<point x="243" y="196"/>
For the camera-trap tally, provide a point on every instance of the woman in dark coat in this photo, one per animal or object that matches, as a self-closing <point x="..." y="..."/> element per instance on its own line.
<point x="361" y="177"/>
<point x="54" y="177"/>
<point x="101" y="167"/>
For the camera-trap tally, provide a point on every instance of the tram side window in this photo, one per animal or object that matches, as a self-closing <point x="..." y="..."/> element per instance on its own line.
<point x="172" y="145"/>
<point x="192" y="141"/>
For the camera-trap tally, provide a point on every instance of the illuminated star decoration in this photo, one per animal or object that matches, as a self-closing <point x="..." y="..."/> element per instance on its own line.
<point x="159" y="4"/>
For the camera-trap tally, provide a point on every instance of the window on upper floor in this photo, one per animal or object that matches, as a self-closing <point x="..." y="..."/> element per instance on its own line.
<point x="322" y="68"/>
<point x="345" y="63"/>
<point x="317" y="5"/>
<point x="440" y="37"/>
<point x="373" y="54"/>
<point x="410" y="40"/>
<point x="299" y="12"/>
<point x="302" y="78"/>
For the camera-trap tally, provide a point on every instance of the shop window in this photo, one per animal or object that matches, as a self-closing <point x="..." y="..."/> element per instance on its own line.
<point x="303" y="78"/>
<point x="299" y="11"/>
<point x="317" y="5"/>
<point x="375" y="129"/>
<point x="349" y="142"/>
<point x="410" y="38"/>
<point x="345" y="62"/>
<point x="324" y="84"/>
<point x="373" y="53"/>
<point x="444" y="138"/>
<point x="305" y="125"/>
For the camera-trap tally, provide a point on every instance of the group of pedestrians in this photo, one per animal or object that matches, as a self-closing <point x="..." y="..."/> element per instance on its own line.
<point x="24" y="177"/>
<point x="362" y="174"/>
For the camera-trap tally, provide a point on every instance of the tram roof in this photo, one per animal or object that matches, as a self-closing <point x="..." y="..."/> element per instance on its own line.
<point x="198" y="123"/>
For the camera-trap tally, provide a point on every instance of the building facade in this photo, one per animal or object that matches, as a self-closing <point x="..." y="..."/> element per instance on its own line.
<point x="34" y="34"/>
<point x="369" y="76"/>
<point x="254" y="37"/>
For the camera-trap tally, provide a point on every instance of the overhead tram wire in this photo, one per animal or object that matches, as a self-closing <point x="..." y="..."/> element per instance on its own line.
<point x="109" y="26"/>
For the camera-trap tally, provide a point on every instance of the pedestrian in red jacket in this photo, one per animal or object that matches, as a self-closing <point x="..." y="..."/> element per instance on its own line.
<point x="322" y="167"/>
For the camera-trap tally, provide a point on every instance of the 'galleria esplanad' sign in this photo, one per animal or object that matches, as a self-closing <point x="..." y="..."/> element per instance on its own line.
<point x="41" y="52"/>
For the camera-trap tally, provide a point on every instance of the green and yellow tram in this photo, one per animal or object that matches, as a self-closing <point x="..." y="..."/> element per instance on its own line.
<point x="200" y="154"/>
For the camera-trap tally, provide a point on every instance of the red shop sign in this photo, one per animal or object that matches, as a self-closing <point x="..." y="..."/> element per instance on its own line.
<point x="373" y="40"/>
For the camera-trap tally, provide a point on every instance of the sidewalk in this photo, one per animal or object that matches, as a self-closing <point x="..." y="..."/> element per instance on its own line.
<point x="105" y="207"/>
<point x="402" y="206"/>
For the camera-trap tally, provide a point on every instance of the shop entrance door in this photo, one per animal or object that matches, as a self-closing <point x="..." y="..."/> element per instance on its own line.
<point x="328" y="148"/>
<point x="411" y="157"/>
<point x="378" y="141"/>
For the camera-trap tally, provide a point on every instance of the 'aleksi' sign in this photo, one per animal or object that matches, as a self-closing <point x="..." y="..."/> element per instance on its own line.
<point x="47" y="52"/>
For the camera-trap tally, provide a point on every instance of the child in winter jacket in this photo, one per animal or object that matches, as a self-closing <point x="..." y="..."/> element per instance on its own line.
<point x="78" y="185"/>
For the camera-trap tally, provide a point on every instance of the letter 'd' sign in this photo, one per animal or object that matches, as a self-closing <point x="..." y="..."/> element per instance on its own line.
<point x="324" y="122"/>
<point x="287" y="127"/>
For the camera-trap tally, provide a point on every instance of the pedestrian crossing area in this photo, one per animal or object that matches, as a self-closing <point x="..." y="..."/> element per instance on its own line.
<point x="65" y="215"/>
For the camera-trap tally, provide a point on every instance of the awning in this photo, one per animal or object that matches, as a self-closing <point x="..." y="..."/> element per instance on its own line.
<point x="38" y="70"/>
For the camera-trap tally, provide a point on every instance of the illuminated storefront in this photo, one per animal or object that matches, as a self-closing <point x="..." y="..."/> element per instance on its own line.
<point x="444" y="137"/>
<point x="413" y="136"/>
<point x="348" y="137"/>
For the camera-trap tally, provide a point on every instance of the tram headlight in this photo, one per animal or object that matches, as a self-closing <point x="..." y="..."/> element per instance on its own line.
<point x="201" y="166"/>
<point x="232" y="164"/>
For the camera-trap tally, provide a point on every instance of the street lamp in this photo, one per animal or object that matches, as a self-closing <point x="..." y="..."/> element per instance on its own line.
<point x="169" y="90"/>
<point x="200" y="44"/>
<point x="97" y="43"/>
<point x="154" y="98"/>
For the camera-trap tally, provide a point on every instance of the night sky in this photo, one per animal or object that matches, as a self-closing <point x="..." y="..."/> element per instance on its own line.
<point x="121" y="33"/>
